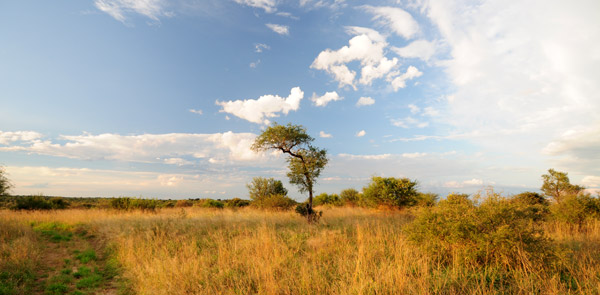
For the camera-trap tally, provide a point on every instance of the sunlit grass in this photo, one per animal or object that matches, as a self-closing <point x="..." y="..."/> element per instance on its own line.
<point x="350" y="251"/>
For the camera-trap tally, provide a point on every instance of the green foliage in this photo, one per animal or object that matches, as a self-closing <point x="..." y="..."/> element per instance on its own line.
<point x="40" y="202"/>
<point x="391" y="192"/>
<point x="557" y="185"/>
<point x="126" y="203"/>
<point x="274" y="202"/>
<point x="308" y="212"/>
<point x="210" y="203"/>
<point x="86" y="256"/>
<point x="576" y="209"/>
<point x="237" y="203"/>
<point x="498" y="233"/>
<point x="426" y="199"/>
<point x="5" y="184"/>
<point x="305" y="162"/>
<point x="326" y="199"/>
<point x="350" y="197"/>
<point x="261" y="187"/>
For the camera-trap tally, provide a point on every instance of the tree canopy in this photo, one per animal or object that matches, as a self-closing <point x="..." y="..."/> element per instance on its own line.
<point x="5" y="184"/>
<point x="305" y="162"/>
<point x="557" y="185"/>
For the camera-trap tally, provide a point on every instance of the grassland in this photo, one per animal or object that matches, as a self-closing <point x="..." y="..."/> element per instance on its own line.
<point x="201" y="251"/>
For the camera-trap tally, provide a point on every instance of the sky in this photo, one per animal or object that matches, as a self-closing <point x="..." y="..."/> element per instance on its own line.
<point x="163" y="98"/>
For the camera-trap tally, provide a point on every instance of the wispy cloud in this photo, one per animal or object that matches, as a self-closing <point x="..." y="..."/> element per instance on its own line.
<point x="396" y="19"/>
<point x="269" y="6"/>
<point x="118" y="9"/>
<point x="260" y="47"/>
<point x="322" y="134"/>
<point x="279" y="29"/>
<point x="196" y="111"/>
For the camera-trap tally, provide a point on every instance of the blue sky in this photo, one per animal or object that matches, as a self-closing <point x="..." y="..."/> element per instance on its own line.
<point x="160" y="98"/>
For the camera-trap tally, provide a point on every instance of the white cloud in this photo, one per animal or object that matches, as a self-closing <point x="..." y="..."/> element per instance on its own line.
<point x="153" y="9"/>
<point x="367" y="47"/>
<point x="279" y="29"/>
<point x="409" y="122"/>
<point x="366" y="157"/>
<point x="398" y="20"/>
<point x="171" y="148"/>
<point x="198" y="111"/>
<point x="420" y="49"/>
<point x="413" y="155"/>
<point x="7" y="137"/>
<point x="267" y="106"/>
<point x="322" y="134"/>
<point x="269" y="6"/>
<point x="365" y="101"/>
<point x="466" y="183"/>
<point x="361" y="133"/>
<point x="591" y="181"/>
<point x="259" y="47"/>
<point x="522" y="77"/>
<point x="375" y="71"/>
<point x="400" y="81"/>
<point x="322" y="101"/>
<point x="414" y="109"/>
<point x="254" y="64"/>
<point x="169" y="180"/>
<point x="430" y="111"/>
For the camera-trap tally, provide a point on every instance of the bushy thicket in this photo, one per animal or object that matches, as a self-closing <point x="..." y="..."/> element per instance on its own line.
<point x="498" y="232"/>
<point x="236" y="203"/>
<point x="40" y="203"/>
<point x="210" y="203"/>
<point x="127" y="203"/>
<point x="327" y="199"/>
<point x="390" y="192"/>
<point x="269" y="194"/>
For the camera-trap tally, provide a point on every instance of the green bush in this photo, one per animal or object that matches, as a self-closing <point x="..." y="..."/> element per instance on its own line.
<point x="274" y="202"/>
<point x="390" y="192"/>
<point x="59" y="203"/>
<point x="326" y="199"/>
<point x="576" y="209"/>
<point x="498" y="232"/>
<point x="126" y="203"/>
<point x="237" y="203"/>
<point x="32" y="203"/>
<point x="350" y="197"/>
<point x="184" y="203"/>
<point x="210" y="203"/>
<point x="426" y="199"/>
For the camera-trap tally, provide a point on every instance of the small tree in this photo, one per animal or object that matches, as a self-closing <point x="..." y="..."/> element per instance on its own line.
<point x="557" y="185"/>
<point x="390" y="191"/>
<point x="305" y="162"/>
<point x="261" y="188"/>
<point x="5" y="184"/>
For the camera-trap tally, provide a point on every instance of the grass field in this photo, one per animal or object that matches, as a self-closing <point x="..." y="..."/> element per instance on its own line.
<point x="200" y="251"/>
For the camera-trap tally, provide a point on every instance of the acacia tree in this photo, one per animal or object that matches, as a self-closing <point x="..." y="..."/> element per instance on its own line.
<point x="305" y="162"/>
<point x="557" y="185"/>
<point x="5" y="184"/>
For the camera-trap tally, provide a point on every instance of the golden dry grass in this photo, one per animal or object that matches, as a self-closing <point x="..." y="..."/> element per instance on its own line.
<point x="351" y="251"/>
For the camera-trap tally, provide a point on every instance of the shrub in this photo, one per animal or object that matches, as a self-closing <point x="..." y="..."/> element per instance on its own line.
<point x="307" y="212"/>
<point x="326" y="199"/>
<point x="184" y="203"/>
<point x="350" y="197"/>
<point x="126" y="203"/>
<point x="390" y="191"/>
<point x="426" y="199"/>
<point x="274" y="202"/>
<point x="237" y="203"/>
<point x="261" y="187"/>
<point x="210" y="203"/>
<point x="499" y="232"/>
<point x="32" y="203"/>
<point x="576" y="209"/>
<point x="59" y="203"/>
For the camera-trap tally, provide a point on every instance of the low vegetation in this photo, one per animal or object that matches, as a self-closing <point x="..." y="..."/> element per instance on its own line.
<point x="388" y="238"/>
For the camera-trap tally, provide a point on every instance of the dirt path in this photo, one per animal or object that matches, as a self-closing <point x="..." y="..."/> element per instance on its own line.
<point x="74" y="262"/>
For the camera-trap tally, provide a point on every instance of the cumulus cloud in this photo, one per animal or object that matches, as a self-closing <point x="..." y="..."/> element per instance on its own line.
<point x="153" y="9"/>
<point x="420" y="49"/>
<point x="7" y="137"/>
<point x="396" y="19"/>
<point x="365" y="101"/>
<point x="279" y="29"/>
<point x="322" y="134"/>
<point x="267" y="106"/>
<point x="323" y="100"/>
<point x="400" y="81"/>
<point x="361" y="133"/>
<point x="269" y="6"/>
